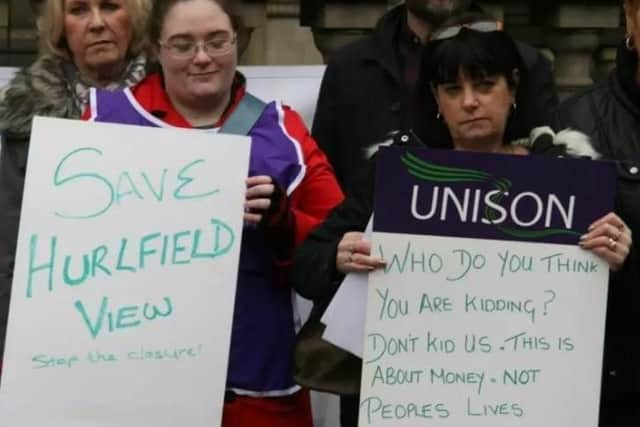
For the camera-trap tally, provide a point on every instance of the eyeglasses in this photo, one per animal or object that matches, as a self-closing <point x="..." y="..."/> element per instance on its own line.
<point x="187" y="49"/>
<point x="481" y="26"/>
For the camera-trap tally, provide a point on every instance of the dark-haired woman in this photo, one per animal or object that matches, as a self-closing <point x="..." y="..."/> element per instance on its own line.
<point x="290" y="190"/>
<point x="469" y="102"/>
<point x="609" y="113"/>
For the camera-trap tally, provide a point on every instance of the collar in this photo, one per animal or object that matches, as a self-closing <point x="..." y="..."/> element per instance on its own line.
<point x="406" y="36"/>
<point x="79" y="85"/>
<point x="152" y="96"/>
<point x="381" y="46"/>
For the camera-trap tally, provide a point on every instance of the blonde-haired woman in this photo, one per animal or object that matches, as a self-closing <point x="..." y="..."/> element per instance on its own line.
<point x="85" y="43"/>
<point x="60" y="19"/>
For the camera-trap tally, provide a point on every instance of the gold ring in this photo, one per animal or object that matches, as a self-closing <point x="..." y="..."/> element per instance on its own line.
<point x="612" y="244"/>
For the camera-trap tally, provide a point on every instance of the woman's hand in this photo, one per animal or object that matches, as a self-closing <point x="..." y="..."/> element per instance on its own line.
<point x="265" y="202"/>
<point x="354" y="254"/>
<point x="610" y="239"/>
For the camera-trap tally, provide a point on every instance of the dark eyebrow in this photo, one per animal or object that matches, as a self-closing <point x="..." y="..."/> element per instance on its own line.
<point x="181" y="37"/>
<point x="207" y="36"/>
<point x="219" y="33"/>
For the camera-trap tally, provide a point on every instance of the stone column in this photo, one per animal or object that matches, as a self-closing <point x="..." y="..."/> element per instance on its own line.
<point x="276" y="35"/>
<point x="18" y="36"/>
<point x="575" y="36"/>
<point x="335" y="23"/>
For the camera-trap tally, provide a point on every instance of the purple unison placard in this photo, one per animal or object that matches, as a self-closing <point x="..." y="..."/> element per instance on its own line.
<point x="490" y="196"/>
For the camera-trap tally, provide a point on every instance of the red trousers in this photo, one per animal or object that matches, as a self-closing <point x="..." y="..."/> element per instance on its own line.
<point x="286" y="411"/>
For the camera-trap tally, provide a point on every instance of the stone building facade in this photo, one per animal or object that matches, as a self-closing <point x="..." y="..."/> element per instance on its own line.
<point x="579" y="36"/>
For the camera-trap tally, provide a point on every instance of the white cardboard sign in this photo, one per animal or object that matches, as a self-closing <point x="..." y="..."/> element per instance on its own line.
<point x="125" y="274"/>
<point x="469" y="335"/>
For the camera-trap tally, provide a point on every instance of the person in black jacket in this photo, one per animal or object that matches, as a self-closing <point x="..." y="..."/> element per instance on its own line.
<point x="609" y="113"/>
<point x="366" y="89"/>
<point x="475" y="74"/>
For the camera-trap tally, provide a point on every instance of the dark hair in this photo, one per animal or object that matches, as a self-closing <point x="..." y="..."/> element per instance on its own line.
<point x="476" y="54"/>
<point x="161" y="8"/>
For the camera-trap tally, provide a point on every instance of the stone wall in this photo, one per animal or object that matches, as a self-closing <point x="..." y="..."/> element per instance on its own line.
<point x="277" y="38"/>
<point x="579" y="39"/>
<point x="17" y="32"/>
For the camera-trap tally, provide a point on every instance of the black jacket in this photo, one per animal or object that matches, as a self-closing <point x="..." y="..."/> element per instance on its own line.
<point x="609" y="113"/>
<point x="363" y="96"/>
<point x="40" y="89"/>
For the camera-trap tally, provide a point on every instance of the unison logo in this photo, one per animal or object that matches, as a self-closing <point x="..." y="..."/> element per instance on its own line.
<point x="523" y="215"/>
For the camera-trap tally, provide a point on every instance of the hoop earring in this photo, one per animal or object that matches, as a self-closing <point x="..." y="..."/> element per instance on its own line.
<point x="628" y="42"/>
<point x="514" y="106"/>
<point x="438" y="115"/>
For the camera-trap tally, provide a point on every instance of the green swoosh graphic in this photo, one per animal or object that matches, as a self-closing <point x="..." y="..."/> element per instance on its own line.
<point x="536" y="234"/>
<point x="426" y="169"/>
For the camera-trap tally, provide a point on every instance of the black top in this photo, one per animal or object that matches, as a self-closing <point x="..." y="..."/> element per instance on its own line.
<point x="609" y="113"/>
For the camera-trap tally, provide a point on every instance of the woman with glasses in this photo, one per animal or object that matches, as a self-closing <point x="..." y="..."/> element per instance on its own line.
<point x="290" y="190"/>
<point x="467" y="99"/>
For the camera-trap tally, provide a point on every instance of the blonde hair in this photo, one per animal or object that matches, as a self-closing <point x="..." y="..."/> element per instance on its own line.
<point x="51" y="27"/>
<point x="633" y="4"/>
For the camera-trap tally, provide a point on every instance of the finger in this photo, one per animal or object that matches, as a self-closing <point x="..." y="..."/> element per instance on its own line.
<point x="346" y="246"/>
<point x="605" y="229"/>
<point x="260" y="190"/>
<point x="614" y="260"/>
<point x="257" y="204"/>
<point x="344" y="263"/>
<point x="362" y="247"/>
<point x="625" y="237"/>
<point x="366" y="260"/>
<point x="342" y="258"/>
<point x="603" y="241"/>
<point x="353" y="236"/>
<point x="611" y="218"/>
<point x="252" y="218"/>
<point x="354" y="268"/>
<point x="258" y="179"/>
<point x="349" y="264"/>
<point x="604" y="245"/>
<point x="348" y="241"/>
<point x="606" y="235"/>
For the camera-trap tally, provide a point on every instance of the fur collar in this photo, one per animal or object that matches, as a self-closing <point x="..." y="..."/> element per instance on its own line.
<point x="53" y="87"/>
<point x="575" y="144"/>
<point x="39" y="89"/>
<point x="572" y="142"/>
